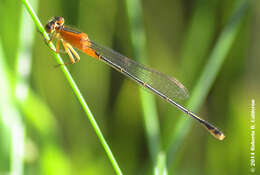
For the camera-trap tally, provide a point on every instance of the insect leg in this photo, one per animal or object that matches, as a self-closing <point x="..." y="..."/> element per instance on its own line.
<point x="74" y="52"/>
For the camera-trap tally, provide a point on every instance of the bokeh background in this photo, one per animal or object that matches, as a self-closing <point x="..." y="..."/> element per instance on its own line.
<point x="44" y="130"/>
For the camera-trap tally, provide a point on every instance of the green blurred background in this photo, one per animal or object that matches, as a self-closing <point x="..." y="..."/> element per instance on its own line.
<point x="43" y="129"/>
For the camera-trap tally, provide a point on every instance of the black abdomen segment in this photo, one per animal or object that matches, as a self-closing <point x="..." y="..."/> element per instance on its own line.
<point x="212" y="129"/>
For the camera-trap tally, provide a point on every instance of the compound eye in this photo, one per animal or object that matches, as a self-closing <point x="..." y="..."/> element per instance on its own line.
<point x="49" y="28"/>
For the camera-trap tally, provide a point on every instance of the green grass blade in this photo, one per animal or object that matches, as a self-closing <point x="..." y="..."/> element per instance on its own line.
<point x="151" y="122"/>
<point x="76" y="91"/>
<point x="138" y="38"/>
<point x="161" y="168"/>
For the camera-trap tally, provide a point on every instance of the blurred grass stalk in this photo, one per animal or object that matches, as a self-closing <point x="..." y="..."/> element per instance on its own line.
<point x="24" y="55"/>
<point x="76" y="91"/>
<point x="138" y="40"/>
<point x="11" y="120"/>
<point x="208" y="76"/>
<point x="12" y="81"/>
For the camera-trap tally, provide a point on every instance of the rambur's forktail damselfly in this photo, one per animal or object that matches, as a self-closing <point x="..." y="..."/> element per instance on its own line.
<point x="160" y="84"/>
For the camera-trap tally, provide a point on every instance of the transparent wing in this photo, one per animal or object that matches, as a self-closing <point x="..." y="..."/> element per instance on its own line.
<point x="168" y="86"/>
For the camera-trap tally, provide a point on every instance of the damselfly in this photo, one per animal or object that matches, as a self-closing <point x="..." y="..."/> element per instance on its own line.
<point x="160" y="84"/>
